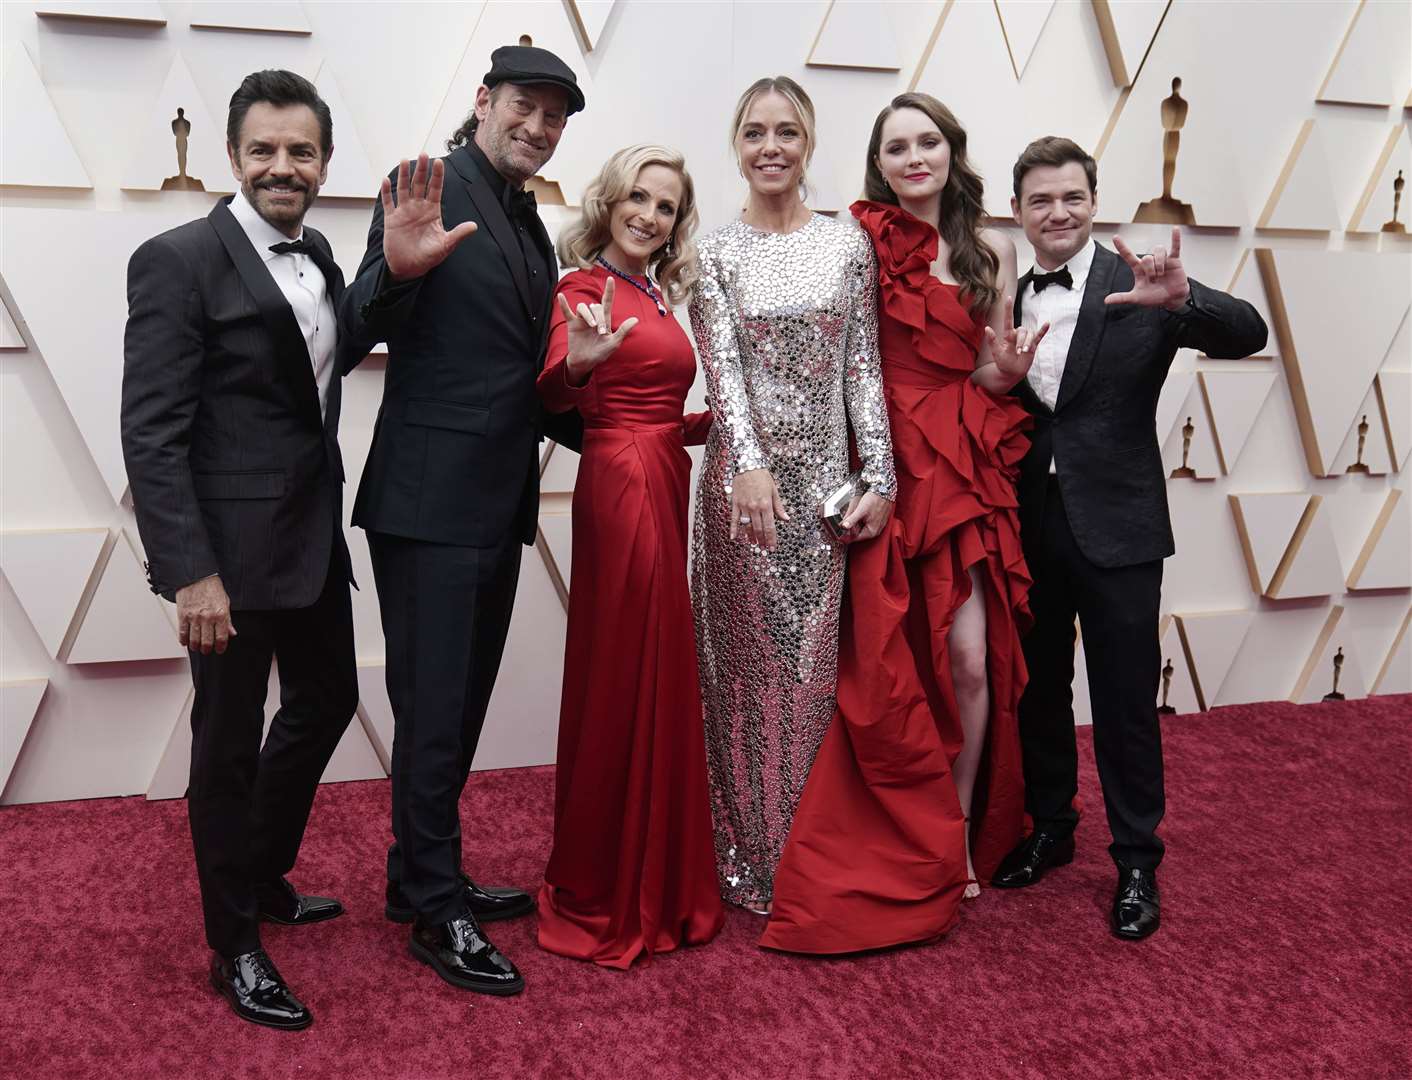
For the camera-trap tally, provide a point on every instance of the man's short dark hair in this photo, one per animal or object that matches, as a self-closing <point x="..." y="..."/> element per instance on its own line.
<point x="281" y="89"/>
<point x="1056" y="151"/>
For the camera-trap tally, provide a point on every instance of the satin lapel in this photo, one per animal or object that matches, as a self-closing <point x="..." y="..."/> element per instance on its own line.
<point x="274" y="309"/>
<point x="1088" y="332"/>
<point x="546" y="314"/>
<point x="491" y="216"/>
<point x="333" y="405"/>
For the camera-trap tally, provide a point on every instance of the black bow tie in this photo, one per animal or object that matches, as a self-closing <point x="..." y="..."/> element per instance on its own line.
<point x="520" y="203"/>
<point x="1059" y="277"/>
<point x="305" y="246"/>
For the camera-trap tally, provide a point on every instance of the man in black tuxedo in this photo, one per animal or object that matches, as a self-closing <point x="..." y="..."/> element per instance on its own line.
<point x="1093" y="511"/>
<point x="230" y="435"/>
<point x="450" y="492"/>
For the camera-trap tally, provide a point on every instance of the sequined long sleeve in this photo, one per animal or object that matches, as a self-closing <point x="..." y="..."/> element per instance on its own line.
<point x="716" y="327"/>
<point x="862" y="387"/>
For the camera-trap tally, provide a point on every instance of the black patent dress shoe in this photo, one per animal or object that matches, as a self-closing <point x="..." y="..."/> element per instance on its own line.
<point x="461" y="954"/>
<point x="280" y="903"/>
<point x="1039" y="853"/>
<point x="1137" y="908"/>
<point x="256" y="992"/>
<point x="486" y="905"/>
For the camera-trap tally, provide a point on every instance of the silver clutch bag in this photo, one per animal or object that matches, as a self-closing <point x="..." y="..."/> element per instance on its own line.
<point x="835" y="507"/>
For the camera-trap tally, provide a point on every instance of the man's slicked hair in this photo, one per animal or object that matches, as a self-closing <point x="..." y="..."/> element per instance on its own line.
<point x="281" y="89"/>
<point x="1055" y="150"/>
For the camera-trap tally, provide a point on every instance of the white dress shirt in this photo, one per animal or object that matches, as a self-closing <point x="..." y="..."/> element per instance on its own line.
<point x="1059" y="307"/>
<point x="303" y="285"/>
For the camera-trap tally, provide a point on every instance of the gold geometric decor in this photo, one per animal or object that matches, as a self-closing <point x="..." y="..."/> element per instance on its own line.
<point x="856" y="36"/>
<point x="29" y="119"/>
<point x="1384" y="560"/>
<point x="113" y="12"/>
<point x="1373" y="65"/>
<point x="1383" y="206"/>
<point x="1022" y="22"/>
<point x="590" y="18"/>
<point x="1287" y="544"/>
<point x="1211" y="641"/>
<point x="1302" y="199"/>
<point x="1332" y="671"/>
<point x="1394" y="390"/>
<point x="1128" y="28"/>
<point x="1395" y="673"/>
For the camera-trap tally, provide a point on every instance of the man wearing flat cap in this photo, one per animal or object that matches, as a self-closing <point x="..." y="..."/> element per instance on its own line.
<point x="457" y="280"/>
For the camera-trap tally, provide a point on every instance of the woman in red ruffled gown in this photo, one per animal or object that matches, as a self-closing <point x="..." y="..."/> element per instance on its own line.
<point x="633" y="868"/>
<point x="921" y="768"/>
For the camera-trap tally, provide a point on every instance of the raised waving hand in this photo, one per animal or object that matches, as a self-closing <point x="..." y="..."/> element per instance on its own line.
<point x="1159" y="279"/>
<point x="592" y="338"/>
<point x="414" y="241"/>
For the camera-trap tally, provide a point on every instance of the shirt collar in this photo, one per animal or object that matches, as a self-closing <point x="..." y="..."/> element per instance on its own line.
<point x="1079" y="267"/>
<point x="260" y="232"/>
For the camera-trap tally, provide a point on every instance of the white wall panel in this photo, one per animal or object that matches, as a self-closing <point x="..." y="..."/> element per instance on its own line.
<point x="96" y="95"/>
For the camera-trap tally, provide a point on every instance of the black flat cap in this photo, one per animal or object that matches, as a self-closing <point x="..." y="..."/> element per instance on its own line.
<point x="528" y="64"/>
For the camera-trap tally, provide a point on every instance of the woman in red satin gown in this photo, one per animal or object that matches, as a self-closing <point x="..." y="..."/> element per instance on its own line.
<point x="921" y="768"/>
<point x="632" y="871"/>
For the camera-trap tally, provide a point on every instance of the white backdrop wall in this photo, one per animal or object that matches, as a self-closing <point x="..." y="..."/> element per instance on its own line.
<point x="1298" y="124"/>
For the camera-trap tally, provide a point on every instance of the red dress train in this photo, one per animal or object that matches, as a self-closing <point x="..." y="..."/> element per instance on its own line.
<point x="633" y="869"/>
<point x="876" y="853"/>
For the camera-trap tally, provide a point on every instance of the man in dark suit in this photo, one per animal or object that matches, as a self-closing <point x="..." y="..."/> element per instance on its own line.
<point x="451" y="488"/>
<point x="230" y="434"/>
<point x="1093" y="511"/>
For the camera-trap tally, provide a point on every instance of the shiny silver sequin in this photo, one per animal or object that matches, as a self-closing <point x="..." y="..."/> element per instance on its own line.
<point x="786" y="328"/>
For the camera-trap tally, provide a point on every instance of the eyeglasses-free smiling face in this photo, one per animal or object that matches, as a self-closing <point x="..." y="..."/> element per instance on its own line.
<point x="520" y="126"/>
<point x="279" y="162"/>
<point x="913" y="156"/>
<point x="1056" y="209"/>
<point x="772" y="145"/>
<point x="642" y="222"/>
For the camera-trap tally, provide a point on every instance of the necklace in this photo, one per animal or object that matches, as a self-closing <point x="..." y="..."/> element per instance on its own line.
<point x="648" y="289"/>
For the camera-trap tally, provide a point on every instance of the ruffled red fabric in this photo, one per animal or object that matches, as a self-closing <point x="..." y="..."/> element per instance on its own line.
<point x="876" y="853"/>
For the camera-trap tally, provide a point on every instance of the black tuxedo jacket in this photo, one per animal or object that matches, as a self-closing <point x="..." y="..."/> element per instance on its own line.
<point x="1102" y="431"/>
<point x="231" y="467"/>
<point x="454" y="457"/>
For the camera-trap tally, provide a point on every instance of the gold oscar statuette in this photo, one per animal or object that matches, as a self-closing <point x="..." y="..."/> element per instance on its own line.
<point x="1333" y="694"/>
<point x="181" y="131"/>
<point x="1186" y="472"/>
<point x="1167" y="210"/>
<point x="1395" y="226"/>
<point x="1358" y="466"/>
<point x="1167" y="672"/>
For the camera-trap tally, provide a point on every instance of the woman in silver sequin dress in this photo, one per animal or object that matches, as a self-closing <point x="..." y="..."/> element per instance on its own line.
<point x="785" y="320"/>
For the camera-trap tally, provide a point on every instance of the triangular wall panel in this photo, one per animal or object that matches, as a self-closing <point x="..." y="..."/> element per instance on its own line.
<point x="19" y="701"/>
<point x="1303" y="195"/>
<point x="1378" y="205"/>
<point x="1266" y="523"/>
<point x="155" y="157"/>
<point x="125" y="620"/>
<point x="350" y="172"/>
<point x="560" y="470"/>
<point x="1176" y="672"/>
<point x="1023" y="22"/>
<point x="1211" y="640"/>
<point x="1246" y="285"/>
<point x="1235" y="399"/>
<point x="1385" y="559"/>
<point x="1373" y="65"/>
<point x="1394" y="676"/>
<point x="10" y="336"/>
<point x="126" y="12"/>
<point x="558" y="530"/>
<point x="1175" y="393"/>
<point x="1310" y="565"/>
<point x="1353" y="509"/>
<point x="376" y="710"/>
<point x="268" y="16"/>
<point x="590" y="19"/>
<point x="1367" y="428"/>
<point x="49" y="572"/>
<point x="1330" y="363"/>
<point x="855" y="34"/>
<point x="1201" y="455"/>
<point x="1394" y="390"/>
<point x="1128" y="28"/>
<point x="30" y="120"/>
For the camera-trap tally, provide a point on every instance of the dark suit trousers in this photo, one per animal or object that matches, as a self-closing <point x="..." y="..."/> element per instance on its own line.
<point x="445" y="615"/>
<point x="1118" y="609"/>
<point x="249" y="805"/>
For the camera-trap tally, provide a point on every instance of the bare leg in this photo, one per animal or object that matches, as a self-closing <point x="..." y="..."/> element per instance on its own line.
<point x="967" y="647"/>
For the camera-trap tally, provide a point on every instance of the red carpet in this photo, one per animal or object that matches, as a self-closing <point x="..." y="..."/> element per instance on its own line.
<point x="1284" y="950"/>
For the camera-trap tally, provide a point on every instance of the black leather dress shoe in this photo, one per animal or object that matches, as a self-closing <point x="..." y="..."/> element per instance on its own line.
<point x="462" y="955"/>
<point x="257" y="993"/>
<point x="279" y="903"/>
<point x="1137" y="909"/>
<point x="486" y="905"/>
<point x="1039" y="853"/>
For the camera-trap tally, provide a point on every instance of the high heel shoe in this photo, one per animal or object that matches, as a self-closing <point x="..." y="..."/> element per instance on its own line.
<point x="973" y="885"/>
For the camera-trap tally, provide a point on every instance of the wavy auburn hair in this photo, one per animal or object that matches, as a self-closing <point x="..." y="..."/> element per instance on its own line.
<point x="674" y="263"/>
<point x="974" y="263"/>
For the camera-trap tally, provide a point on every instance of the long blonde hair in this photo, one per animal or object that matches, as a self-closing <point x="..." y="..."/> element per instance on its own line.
<point x="674" y="263"/>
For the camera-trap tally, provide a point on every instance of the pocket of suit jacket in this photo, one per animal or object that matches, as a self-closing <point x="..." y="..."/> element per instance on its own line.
<point x="447" y="415"/>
